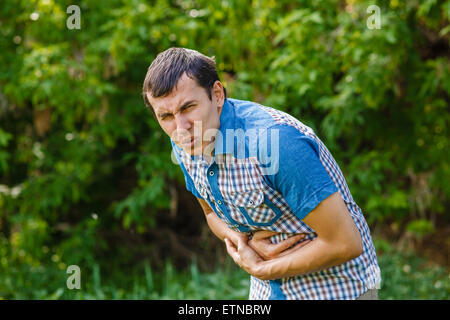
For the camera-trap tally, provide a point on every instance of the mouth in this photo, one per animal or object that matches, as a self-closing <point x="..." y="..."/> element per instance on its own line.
<point x="189" y="142"/>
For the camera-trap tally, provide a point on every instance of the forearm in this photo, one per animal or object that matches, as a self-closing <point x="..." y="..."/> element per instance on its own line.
<point x="217" y="226"/>
<point x="338" y="241"/>
<point x="220" y="228"/>
<point x="315" y="256"/>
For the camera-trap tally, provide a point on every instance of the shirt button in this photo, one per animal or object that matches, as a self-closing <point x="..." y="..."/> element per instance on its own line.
<point x="219" y="202"/>
<point x="211" y="173"/>
<point x="236" y="225"/>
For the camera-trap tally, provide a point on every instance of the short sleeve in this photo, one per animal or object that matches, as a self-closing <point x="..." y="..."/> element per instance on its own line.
<point x="295" y="168"/>
<point x="190" y="186"/>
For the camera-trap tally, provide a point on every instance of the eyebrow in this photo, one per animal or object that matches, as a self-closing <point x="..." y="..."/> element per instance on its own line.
<point x="161" y="115"/>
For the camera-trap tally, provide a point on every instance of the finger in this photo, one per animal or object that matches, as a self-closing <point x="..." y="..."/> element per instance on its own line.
<point x="294" y="248"/>
<point x="261" y="247"/>
<point x="230" y="246"/>
<point x="263" y="234"/>
<point x="267" y="250"/>
<point x="285" y="244"/>
<point x="241" y="245"/>
<point x="231" y="249"/>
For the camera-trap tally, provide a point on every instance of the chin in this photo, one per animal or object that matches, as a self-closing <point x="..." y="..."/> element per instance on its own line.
<point x="193" y="151"/>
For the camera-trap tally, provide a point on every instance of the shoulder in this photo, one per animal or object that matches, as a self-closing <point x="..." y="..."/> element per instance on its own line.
<point x="253" y="115"/>
<point x="285" y="146"/>
<point x="271" y="129"/>
<point x="250" y="115"/>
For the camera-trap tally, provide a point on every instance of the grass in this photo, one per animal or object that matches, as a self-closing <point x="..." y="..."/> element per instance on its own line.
<point x="405" y="276"/>
<point x="228" y="282"/>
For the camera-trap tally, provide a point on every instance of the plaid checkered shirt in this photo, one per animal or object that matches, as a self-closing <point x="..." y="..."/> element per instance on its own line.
<point x="268" y="172"/>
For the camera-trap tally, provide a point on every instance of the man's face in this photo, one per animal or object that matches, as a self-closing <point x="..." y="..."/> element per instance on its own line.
<point x="186" y="108"/>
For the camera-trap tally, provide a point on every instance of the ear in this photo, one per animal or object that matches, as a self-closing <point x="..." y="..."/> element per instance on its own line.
<point x="218" y="95"/>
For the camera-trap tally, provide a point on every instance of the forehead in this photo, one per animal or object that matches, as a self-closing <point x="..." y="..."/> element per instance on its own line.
<point x="185" y="89"/>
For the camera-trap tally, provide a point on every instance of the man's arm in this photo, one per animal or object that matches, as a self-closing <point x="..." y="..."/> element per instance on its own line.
<point x="264" y="247"/>
<point x="217" y="226"/>
<point x="338" y="241"/>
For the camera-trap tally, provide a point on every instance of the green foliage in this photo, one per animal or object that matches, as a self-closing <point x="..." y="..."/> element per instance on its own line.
<point x="420" y="227"/>
<point x="141" y="282"/>
<point x="76" y="141"/>
<point x="405" y="276"/>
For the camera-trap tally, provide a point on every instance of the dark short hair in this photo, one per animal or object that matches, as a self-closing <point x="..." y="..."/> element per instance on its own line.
<point x="168" y="67"/>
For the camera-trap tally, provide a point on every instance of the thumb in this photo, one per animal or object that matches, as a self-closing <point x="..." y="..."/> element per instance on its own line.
<point x="241" y="245"/>
<point x="230" y="246"/>
<point x="232" y="251"/>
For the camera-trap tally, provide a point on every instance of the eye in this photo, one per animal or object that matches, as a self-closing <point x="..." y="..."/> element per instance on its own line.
<point x="165" y="116"/>
<point x="187" y="107"/>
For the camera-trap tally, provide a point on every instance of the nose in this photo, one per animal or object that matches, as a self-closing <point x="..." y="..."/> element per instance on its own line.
<point x="182" y="122"/>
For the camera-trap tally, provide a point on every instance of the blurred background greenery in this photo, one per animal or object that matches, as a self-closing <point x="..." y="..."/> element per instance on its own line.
<point x="85" y="171"/>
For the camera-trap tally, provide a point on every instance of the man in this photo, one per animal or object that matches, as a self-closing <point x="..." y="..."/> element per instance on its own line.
<point x="268" y="186"/>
